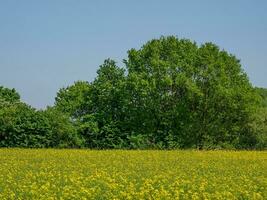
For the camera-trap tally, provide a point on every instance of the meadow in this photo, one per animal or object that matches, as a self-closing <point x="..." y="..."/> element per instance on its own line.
<point x="121" y="174"/>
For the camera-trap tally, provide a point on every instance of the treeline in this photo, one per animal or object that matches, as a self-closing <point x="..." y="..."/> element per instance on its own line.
<point x="171" y="93"/>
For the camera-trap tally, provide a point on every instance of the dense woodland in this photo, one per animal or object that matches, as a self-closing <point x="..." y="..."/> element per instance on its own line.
<point x="171" y="93"/>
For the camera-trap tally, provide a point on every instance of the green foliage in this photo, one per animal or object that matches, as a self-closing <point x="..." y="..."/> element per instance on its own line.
<point x="260" y="127"/>
<point x="198" y="95"/>
<point x="8" y="95"/>
<point x="260" y="122"/>
<point x="71" y="99"/>
<point x="23" y="126"/>
<point x="263" y="93"/>
<point x="172" y="93"/>
<point x="62" y="132"/>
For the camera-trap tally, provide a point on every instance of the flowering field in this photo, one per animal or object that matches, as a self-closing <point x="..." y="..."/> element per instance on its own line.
<point x="118" y="174"/>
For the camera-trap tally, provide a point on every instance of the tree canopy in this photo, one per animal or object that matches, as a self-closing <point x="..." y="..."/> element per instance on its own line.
<point x="263" y="93"/>
<point x="8" y="95"/>
<point x="170" y="93"/>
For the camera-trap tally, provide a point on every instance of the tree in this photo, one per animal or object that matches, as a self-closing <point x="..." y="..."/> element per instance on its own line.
<point x="190" y="96"/>
<point x="20" y="127"/>
<point x="95" y="107"/>
<point x="263" y="93"/>
<point x="24" y="126"/>
<point x="8" y="95"/>
<point x="72" y="99"/>
<point x="107" y="99"/>
<point x="260" y="123"/>
<point x="173" y="94"/>
<point x="61" y="132"/>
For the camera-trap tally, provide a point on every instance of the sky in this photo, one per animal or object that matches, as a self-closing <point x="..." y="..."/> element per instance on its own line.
<point x="47" y="45"/>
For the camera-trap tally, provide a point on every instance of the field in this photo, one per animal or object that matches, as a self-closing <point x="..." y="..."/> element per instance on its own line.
<point x="118" y="174"/>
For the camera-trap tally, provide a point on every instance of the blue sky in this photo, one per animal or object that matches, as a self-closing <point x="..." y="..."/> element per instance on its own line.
<point x="46" y="45"/>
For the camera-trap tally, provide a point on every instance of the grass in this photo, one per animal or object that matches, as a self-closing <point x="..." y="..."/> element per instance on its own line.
<point x="118" y="174"/>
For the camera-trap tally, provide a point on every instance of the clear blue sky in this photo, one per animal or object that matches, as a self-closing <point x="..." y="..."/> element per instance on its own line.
<point x="48" y="44"/>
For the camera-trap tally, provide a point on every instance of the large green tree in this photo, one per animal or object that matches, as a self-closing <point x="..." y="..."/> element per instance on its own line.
<point x="173" y="93"/>
<point x="191" y="96"/>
